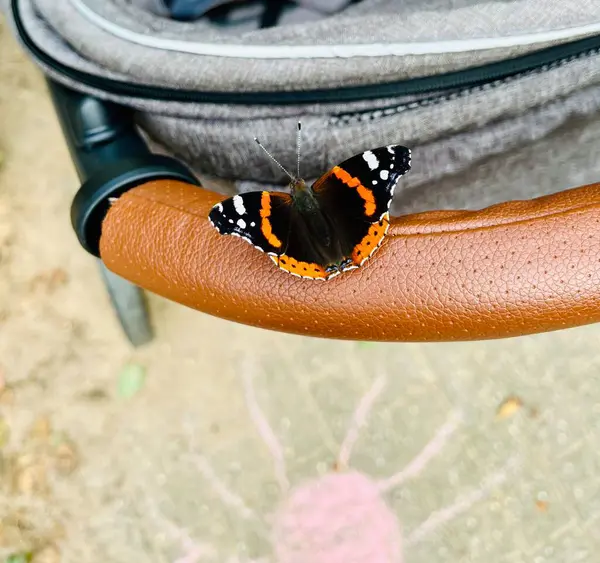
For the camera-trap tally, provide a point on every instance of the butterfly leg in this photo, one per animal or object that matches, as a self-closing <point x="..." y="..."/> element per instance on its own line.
<point x="347" y="264"/>
<point x="332" y="270"/>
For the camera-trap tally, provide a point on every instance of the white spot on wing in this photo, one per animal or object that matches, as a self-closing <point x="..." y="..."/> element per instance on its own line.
<point x="384" y="174"/>
<point x="374" y="182"/>
<point x="253" y="224"/>
<point x="238" y="203"/>
<point x="220" y="207"/>
<point x="390" y="149"/>
<point x="241" y="223"/>
<point x="371" y="160"/>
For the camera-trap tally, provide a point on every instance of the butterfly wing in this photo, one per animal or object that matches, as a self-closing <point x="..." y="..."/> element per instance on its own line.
<point x="373" y="175"/>
<point x="269" y="222"/>
<point x="260" y="218"/>
<point x="356" y="197"/>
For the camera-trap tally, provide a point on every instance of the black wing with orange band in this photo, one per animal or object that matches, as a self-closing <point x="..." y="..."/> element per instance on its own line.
<point x="356" y="197"/>
<point x="268" y="221"/>
<point x="260" y="218"/>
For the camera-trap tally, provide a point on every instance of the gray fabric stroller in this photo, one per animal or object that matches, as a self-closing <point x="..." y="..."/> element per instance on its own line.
<point x="456" y="82"/>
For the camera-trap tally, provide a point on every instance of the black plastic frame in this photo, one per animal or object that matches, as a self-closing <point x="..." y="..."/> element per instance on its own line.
<point x="110" y="157"/>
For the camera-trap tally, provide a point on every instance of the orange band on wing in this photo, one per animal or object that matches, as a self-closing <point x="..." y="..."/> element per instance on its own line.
<point x="371" y="241"/>
<point x="265" y="224"/>
<point x="303" y="269"/>
<point x="352" y="182"/>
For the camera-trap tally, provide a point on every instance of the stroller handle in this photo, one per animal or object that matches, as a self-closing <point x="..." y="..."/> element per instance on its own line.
<point x="515" y="268"/>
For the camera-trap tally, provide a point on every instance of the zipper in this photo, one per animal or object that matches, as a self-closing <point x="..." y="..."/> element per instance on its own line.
<point x="369" y="114"/>
<point x="464" y="80"/>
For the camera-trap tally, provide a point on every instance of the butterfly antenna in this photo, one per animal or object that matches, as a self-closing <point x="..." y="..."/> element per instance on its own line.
<point x="298" y="143"/>
<point x="273" y="158"/>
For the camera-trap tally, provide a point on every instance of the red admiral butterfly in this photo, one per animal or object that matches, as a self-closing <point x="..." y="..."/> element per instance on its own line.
<point x="322" y="230"/>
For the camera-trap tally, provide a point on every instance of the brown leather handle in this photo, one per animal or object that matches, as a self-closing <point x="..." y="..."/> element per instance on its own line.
<point x="516" y="268"/>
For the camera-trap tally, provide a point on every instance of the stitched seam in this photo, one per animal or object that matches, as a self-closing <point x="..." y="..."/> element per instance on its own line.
<point x="351" y="118"/>
<point x="578" y="210"/>
<point x="185" y="210"/>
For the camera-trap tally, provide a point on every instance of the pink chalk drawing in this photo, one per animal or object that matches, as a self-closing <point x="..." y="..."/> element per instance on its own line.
<point x="342" y="516"/>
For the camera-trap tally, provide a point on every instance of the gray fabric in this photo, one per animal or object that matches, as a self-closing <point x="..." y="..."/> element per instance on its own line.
<point x="215" y="73"/>
<point x="566" y="157"/>
<point x="325" y="6"/>
<point x="225" y="147"/>
<point x="448" y="132"/>
<point x="451" y="158"/>
<point x="369" y="21"/>
<point x="156" y="6"/>
<point x="47" y="39"/>
<point x="207" y="73"/>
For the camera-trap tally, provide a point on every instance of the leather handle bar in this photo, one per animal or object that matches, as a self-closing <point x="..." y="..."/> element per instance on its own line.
<point x="515" y="268"/>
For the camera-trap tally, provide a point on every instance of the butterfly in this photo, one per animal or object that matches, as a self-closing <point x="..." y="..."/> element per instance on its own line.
<point x="319" y="231"/>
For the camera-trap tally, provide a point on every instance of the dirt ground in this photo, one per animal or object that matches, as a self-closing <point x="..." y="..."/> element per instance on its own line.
<point x="222" y="443"/>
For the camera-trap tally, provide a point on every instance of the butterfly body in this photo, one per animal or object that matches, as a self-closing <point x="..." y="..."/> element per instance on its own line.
<point x="319" y="231"/>
<point x="314" y="226"/>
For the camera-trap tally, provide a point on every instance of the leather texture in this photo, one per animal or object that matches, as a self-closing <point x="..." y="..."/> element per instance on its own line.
<point x="516" y="268"/>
